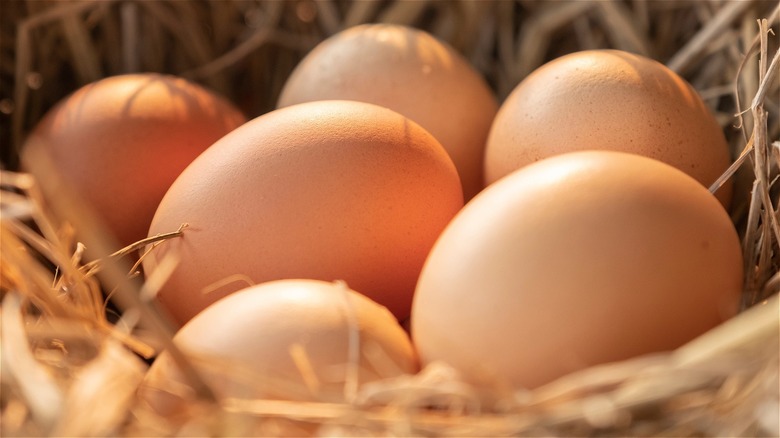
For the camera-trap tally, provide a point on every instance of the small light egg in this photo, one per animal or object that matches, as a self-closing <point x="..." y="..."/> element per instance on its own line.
<point x="295" y="339"/>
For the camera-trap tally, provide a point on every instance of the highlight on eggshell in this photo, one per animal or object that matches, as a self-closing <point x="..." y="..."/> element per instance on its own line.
<point x="576" y="260"/>
<point x="608" y="100"/>
<point x="120" y="142"/>
<point x="295" y="339"/>
<point x="324" y="190"/>
<point x="411" y="72"/>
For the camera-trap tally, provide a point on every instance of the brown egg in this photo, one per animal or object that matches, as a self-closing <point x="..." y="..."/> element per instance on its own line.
<point x="611" y="100"/>
<point x="579" y="259"/>
<point x="120" y="142"/>
<point x="408" y="71"/>
<point x="286" y="339"/>
<point x="330" y="190"/>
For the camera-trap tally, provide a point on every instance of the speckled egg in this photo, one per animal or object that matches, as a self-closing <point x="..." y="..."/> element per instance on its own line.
<point x="610" y="100"/>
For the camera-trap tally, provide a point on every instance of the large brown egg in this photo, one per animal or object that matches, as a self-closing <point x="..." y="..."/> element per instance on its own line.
<point x="408" y="71"/>
<point x="579" y="259"/>
<point x="122" y="141"/>
<point x="610" y="100"/>
<point x="330" y="190"/>
<point x="288" y="339"/>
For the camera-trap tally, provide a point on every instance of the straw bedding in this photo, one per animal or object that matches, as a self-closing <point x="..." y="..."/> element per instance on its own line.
<point x="71" y="364"/>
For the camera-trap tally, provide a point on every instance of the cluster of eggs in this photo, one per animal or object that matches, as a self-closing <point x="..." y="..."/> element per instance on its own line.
<point x="567" y="228"/>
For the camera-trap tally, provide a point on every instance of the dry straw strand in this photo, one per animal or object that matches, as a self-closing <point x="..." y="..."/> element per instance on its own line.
<point x="41" y="393"/>
<point x="684" y="57"/>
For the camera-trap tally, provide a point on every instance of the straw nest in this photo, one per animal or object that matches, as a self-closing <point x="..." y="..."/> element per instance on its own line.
<point x="71" y="364"/>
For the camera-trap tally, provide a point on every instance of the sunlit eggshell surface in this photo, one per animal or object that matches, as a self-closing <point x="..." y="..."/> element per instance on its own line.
<point x="329" y="190"/>
<point x="576" y="260"/>
<point x="287" y="339"/>
<point x="119" y="143"/>
<point x="610" y="100"/>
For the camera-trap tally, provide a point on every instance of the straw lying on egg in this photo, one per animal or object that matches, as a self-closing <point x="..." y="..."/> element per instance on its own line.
<point x="69" y="370"/>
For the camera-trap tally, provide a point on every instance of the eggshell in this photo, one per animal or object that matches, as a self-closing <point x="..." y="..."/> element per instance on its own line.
<point x="610" y="100"/>
<point x="331" y="190"/>
<point x="408" y="71"/>
<point x="286" y="339"/>
<point x="576" y="260"/>
<point x="120" y="142"/>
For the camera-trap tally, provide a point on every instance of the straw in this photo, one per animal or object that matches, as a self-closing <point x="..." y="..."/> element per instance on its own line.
<point x="68" y="369"/>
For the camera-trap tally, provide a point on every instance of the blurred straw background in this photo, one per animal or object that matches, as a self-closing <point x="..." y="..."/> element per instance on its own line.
<point x="68" y="370"/>
<point x="246" y="49"/>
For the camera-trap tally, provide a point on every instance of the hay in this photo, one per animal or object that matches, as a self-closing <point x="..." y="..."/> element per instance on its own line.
<point x="70" y="370"/>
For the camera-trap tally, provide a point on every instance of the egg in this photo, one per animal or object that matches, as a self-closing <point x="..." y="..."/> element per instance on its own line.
<point x="328" y="190"/>
<point x="577" y="260"/>
<point x="408" y="71"/>
<point x="120" y="142"/>
<point x="610" y="100"/>
<point x="286" y="339"/>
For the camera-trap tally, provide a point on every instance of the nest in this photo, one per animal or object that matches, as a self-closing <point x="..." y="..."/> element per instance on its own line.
<point x="72" y="362"/>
